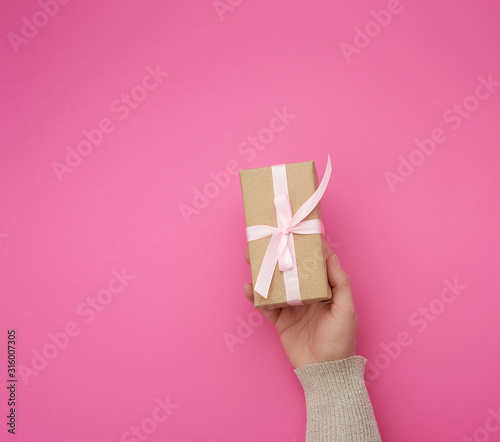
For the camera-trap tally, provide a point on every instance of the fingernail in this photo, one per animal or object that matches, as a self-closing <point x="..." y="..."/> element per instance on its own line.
<point x="336" y="261"/>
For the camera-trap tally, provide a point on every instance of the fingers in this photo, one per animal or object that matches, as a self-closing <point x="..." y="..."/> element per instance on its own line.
<point x="248" y="290"/>
<point x="270" y="315"/>
<point x="341" y="285"/>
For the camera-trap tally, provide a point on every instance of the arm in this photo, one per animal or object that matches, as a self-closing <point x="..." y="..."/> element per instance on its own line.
<point x="320" y="342"/>
<point x="337" y="402"/>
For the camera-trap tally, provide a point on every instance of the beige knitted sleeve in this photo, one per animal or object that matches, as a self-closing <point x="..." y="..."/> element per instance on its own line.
<point x="337" y="402"/>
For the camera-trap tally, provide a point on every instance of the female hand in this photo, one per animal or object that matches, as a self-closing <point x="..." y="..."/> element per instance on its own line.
<point x="317" y="332"/>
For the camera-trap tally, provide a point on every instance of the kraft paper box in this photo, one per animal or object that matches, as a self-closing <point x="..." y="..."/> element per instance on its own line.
<point x="258" y="191"/>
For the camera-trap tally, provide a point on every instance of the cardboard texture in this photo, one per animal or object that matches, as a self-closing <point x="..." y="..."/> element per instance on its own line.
<point x="258" y="201"/>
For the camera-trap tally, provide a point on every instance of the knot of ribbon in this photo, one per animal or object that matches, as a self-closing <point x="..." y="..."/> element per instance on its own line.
<point x="281" y="247"/>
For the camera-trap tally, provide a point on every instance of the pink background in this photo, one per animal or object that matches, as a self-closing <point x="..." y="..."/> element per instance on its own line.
<point x="163" y="335"/>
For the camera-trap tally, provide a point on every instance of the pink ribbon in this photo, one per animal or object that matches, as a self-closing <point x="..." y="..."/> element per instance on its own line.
<point x="281" y="247"/>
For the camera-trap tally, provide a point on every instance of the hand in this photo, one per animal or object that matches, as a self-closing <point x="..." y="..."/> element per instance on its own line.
<point x="317" y="332"/>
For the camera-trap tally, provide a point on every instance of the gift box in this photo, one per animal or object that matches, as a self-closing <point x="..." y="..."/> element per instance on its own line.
<point x="285" y="234"/>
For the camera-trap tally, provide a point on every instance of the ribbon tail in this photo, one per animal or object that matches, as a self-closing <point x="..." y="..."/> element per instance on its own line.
<point x="313" y="201"/>
<point x="268" y="265"/>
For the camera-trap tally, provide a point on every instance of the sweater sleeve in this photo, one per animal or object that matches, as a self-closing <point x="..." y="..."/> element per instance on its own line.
<point x="337" y="402"/>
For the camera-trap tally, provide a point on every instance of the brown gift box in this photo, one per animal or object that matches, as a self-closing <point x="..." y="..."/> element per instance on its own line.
<point x="258" y="201"/>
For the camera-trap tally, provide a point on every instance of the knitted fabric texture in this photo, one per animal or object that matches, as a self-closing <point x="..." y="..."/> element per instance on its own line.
<point x="337" y="402"/>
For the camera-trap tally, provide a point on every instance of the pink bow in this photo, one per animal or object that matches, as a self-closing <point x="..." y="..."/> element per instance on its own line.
<point x="281" y="249"/>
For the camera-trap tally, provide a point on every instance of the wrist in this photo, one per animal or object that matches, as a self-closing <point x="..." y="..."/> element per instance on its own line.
<point x="333" y="376"/>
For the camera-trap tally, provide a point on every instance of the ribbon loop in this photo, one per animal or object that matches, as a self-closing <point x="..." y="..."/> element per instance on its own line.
<point x="283" y="211"/>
